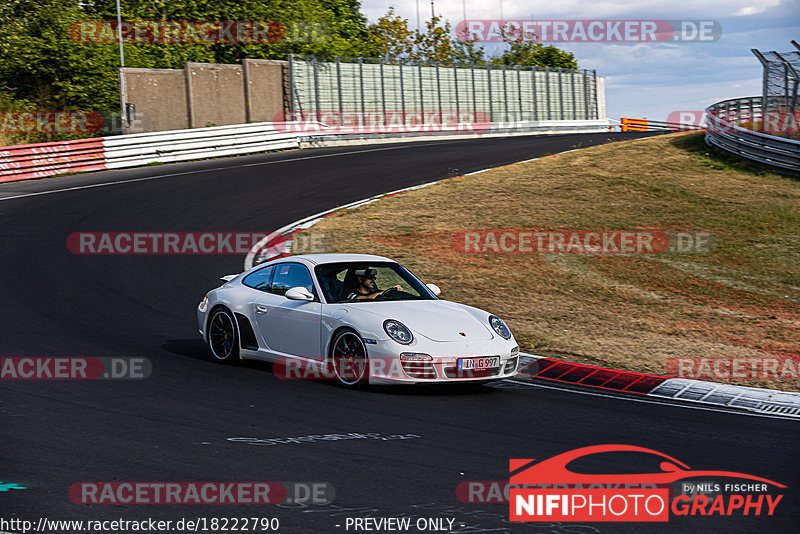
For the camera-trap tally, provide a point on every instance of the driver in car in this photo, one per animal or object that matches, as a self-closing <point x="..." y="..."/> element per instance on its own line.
<point x="367" y="286"/>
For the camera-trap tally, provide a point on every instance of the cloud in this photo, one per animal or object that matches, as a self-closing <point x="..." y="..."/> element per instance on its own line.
<point x="649" y="79"/>
<point x="580" y="9"/>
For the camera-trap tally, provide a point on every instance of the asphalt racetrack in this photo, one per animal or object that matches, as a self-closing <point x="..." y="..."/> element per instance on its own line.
<point x="420" y="443"/>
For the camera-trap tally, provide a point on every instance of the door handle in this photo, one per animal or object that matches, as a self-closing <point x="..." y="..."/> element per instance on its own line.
<point x="261" y="309"/>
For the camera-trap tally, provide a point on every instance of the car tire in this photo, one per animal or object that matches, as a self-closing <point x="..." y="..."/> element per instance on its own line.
<point x="349" y="359"/>
<point x="223" y="336"/>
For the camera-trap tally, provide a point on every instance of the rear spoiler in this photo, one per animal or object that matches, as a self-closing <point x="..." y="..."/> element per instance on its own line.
<point x="228" y="277"/>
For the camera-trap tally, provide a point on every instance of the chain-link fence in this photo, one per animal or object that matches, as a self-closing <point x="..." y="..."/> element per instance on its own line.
<point x="781" y="76"/>
<point x="372" y="89"/>
<point x="766" y="129"/>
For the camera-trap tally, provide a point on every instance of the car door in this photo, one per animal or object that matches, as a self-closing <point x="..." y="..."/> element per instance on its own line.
<point x="290" y="327"/>
<point x="259" y="283"/>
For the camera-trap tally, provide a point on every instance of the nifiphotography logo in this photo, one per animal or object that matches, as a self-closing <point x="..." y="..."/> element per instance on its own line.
<point x="564" y="495"/>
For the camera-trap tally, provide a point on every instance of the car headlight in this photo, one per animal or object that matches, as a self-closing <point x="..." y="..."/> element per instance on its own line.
<point x="203" y="305"/>
<point x="500" y="326"/>
<point x="398" y="331"/>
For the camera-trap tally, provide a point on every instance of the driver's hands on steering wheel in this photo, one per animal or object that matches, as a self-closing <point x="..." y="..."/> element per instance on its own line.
<point x="398" y="287"/>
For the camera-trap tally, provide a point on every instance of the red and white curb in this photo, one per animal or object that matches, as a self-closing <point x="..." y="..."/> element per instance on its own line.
<point x="767" y="401"/>
<point x="278" y="244"/>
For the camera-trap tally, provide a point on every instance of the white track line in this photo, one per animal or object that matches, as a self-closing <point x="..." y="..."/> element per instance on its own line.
<point x="198" y="171"/>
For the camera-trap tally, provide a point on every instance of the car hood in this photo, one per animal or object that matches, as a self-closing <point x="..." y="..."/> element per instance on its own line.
<point x="437" y="320"/>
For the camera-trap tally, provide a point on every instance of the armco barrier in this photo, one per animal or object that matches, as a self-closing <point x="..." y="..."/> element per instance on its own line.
<point x="181" y="145"/>
<point x="49" y="159"/>
<point x="723" y="132"/>
<point x="344" y="136"/>
<point x="628" y="124"/>
<point x="117" y="152"/>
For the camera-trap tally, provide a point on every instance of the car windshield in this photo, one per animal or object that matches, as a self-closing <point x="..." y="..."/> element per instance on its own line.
<point x="368" y="282"/>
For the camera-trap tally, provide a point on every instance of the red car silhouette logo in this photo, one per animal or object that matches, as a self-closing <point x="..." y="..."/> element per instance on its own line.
<point x="554" y="470"/>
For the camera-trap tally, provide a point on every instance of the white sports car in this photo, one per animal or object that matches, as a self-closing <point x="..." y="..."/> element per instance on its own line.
<point x="325" y="315"/>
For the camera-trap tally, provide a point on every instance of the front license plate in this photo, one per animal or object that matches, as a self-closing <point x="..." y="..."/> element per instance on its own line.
<point x="479" y="363"/>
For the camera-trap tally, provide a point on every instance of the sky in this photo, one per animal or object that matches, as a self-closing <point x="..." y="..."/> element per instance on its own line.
<point x="651" y="80"/>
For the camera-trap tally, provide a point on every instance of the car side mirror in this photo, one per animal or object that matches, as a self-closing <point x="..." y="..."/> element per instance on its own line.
<point x="434" y="289"/>
<point x="299" y="293"/>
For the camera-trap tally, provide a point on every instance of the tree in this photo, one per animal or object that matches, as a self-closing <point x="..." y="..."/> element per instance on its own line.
<point x="435" y="45"/>
<point x="535" y="54"/>
<point x="39" y="63"/>
<point x="45" y="66"/>
<point x="391" y="39"/>
<point x="324" y="28"/>
<point x="470" y="53"/>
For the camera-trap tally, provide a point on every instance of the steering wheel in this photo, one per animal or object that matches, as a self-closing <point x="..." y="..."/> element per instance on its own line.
<point x="388" y="294"/>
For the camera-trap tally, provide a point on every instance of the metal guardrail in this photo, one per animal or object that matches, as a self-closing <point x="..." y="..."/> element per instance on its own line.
<point x="117" y="152"/>
<point x="50" y="159"/>
<point x="322" y="135"/>
<point x="181" y="145"/>
<point x="46" y="159"/>
<point x="724" y="131"/>
<point x="628" y="124"/>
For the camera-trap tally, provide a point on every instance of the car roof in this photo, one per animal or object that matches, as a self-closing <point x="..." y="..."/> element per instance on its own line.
<point x="319" y="259"/>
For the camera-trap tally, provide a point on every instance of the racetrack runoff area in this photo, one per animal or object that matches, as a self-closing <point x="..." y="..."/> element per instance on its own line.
<point x="653" y="255"/>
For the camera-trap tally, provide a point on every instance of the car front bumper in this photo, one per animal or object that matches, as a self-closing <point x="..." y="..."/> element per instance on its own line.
<point x="387" y="367"/>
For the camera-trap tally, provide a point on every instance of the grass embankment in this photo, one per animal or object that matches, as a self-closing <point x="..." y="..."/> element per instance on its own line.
<point x="633" y="311"/>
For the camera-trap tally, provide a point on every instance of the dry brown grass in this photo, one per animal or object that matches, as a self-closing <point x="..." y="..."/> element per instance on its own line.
<point x="630" y="312"/>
